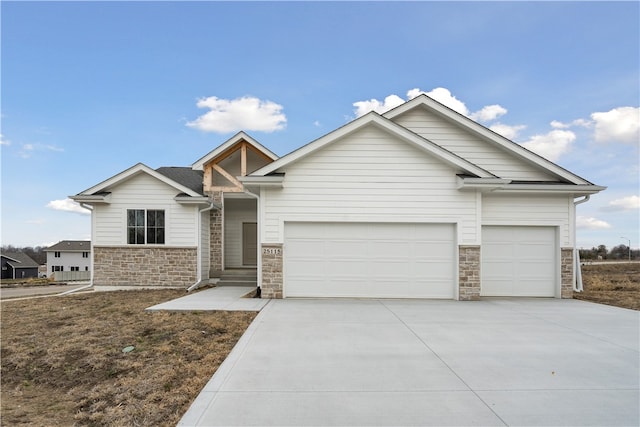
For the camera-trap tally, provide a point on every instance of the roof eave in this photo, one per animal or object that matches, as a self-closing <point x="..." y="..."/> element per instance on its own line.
<point x="92" y="199"/>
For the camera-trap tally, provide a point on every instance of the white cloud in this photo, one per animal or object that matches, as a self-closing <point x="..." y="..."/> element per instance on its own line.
<point x="551" y="145"/>
<point x="624" y="204"/>
<point x="578" y="122"/>
<point x="489" y="113"/>
<point x="509" y="132"/>
<point x="317" y="124"/>
<point x="246" y="113"/>
<point x="591" y="223"/>
<point x="4" y="141"/>
<point x="443" y="96"/>
<point x="67" y="205"/>
<point x="363" y="107"/>
<point x="621" y="124"/>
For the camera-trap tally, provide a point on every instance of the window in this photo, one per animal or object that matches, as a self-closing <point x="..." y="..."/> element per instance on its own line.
<point x="55" y="268"/>
<point x="85" y="254"/>
<point x="75" y="268"/>
<point x="56" y="254"/>
<point x="145" y="226"/>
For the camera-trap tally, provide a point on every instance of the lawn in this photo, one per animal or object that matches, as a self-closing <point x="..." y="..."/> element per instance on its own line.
<point x="63" y="362"/>
<point x="62" y="359"/>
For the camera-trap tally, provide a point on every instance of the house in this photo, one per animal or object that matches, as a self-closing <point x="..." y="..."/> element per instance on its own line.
<point x="17" y="265"/>
<point x="69" y="256"/>
<point x="419" y="202"/>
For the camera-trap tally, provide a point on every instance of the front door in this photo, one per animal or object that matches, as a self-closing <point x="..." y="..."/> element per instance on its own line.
<point x="249" y="243"/>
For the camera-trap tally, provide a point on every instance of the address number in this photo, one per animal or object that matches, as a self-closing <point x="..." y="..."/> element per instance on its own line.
<point x="271" y="251"/>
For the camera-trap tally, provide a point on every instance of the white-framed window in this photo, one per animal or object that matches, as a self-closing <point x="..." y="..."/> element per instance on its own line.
<point x="75" y="268"/>
<point x="85" y="254"/>
<point x="145" y="226"/>
<point x="56" y="254"/>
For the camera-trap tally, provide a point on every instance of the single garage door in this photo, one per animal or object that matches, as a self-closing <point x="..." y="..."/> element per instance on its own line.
<point x="518" y="261"/>
<point x="369" y="260"/>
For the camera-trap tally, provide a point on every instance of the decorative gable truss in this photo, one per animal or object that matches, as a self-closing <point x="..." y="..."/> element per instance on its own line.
<point x="237" y="157"/>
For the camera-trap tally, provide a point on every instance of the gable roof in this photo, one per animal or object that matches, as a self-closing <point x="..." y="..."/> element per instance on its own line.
<point x="199" y="164"/>
<point x="424" y="101"/>
<point x="70" y="246"/>
<point x="135" y="170"/>
<point x="19" y="260"/>
<point x="375" y="119"/>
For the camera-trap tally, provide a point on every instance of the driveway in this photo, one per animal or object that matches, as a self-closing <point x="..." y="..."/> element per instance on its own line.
<point x="418" y="362"/>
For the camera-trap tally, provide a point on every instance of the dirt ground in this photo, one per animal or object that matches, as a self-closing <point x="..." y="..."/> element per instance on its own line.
<point x="612" y="284"/>
<point x="62" y="359"/>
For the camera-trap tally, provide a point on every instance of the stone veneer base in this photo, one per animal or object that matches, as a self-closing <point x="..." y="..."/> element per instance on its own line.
<point x="144" y="266"/>
<point x="271" y="271"/>
<point x="566" y="272"/>
<point x="469" y="273"/>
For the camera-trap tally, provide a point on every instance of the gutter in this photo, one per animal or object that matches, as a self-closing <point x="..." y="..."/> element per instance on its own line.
<point x="199" y="283"/>
<point x="90" y="208"/>
<point x="577" y="284"/>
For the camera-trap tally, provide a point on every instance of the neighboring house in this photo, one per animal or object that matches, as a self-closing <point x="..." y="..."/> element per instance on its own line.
<point x="68" y="255"/>
<point x="420" y="202"/>
<point x="17" y="265"/>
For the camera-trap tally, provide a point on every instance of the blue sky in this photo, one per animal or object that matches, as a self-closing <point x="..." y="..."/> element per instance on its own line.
<point x="91" y="88"/>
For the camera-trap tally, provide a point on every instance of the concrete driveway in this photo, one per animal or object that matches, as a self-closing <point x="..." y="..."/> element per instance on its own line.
<point x="542" y="362"/>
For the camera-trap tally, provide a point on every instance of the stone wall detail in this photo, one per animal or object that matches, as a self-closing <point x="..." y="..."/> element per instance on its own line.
<point x="272" y="278"/>
<point x="216" y="241"/>
<point x="469" y="273"/>
<point x="144" y="266"/>
<point x="566" y="272"/>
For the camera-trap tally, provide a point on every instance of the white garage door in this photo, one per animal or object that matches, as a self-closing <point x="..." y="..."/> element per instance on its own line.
<point x="518" y="261"/>
<point x="369" y="260"/>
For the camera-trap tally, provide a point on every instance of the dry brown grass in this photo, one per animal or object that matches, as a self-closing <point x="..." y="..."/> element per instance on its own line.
<point x="612" y="284"/>
<point x="62" y="361"/>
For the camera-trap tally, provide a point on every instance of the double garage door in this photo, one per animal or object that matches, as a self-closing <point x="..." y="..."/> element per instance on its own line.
<point x="399" y="260"/>
<point x="369" y="260"/>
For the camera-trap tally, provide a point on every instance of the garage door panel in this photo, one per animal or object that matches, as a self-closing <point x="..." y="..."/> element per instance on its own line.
<point x="369" y="260"/>
<point x="518" y="261"/>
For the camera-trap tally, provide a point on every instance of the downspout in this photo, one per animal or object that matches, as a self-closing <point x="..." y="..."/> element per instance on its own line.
<point x="90" y="208"/>
<point x="577" y="285"/>
<point x="259" y="266"/>
<point x="198" y="282"/>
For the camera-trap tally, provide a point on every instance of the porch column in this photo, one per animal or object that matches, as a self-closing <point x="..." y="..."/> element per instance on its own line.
<point x="469" y="273"/>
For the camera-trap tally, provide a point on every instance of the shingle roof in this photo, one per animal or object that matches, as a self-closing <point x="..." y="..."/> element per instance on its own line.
<point x="71" y="246"/>
<point x="186" y="176"/>
<point x="22" y="260"/>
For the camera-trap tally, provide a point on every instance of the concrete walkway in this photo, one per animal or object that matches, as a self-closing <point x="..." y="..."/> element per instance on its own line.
<point x="542" y="362"/>
<point x="229" y="298"/>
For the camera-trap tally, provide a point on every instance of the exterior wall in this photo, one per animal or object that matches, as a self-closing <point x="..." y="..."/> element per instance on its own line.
<point x="538" y="210"/>
<point x="469" y="146"/>
<point x="469" y="273"/>
<point x="566" y="272"/>
<point x="68" y="260"/>
<point x="237" y="211"/>
<point x="144" y="192"/>
<point x="144" y="266"/>
<point x="272" y="276"/>
<point x="369" y="176"/>
<point x="216" y="237"/>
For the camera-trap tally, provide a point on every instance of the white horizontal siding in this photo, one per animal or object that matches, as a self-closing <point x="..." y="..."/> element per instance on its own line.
<point x="470" y="147"/>
<point x="530" y="210"/>
<point x="144" y="192"/>
<point x="369" y="176"/>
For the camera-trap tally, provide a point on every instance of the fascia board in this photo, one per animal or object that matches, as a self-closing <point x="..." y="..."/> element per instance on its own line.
<point x="517" y="149"/>
<point x="133" y="171"/>
<point x="391" y="127"/>
<point x="199" y="164"/>
<point x="92" y="198"/>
